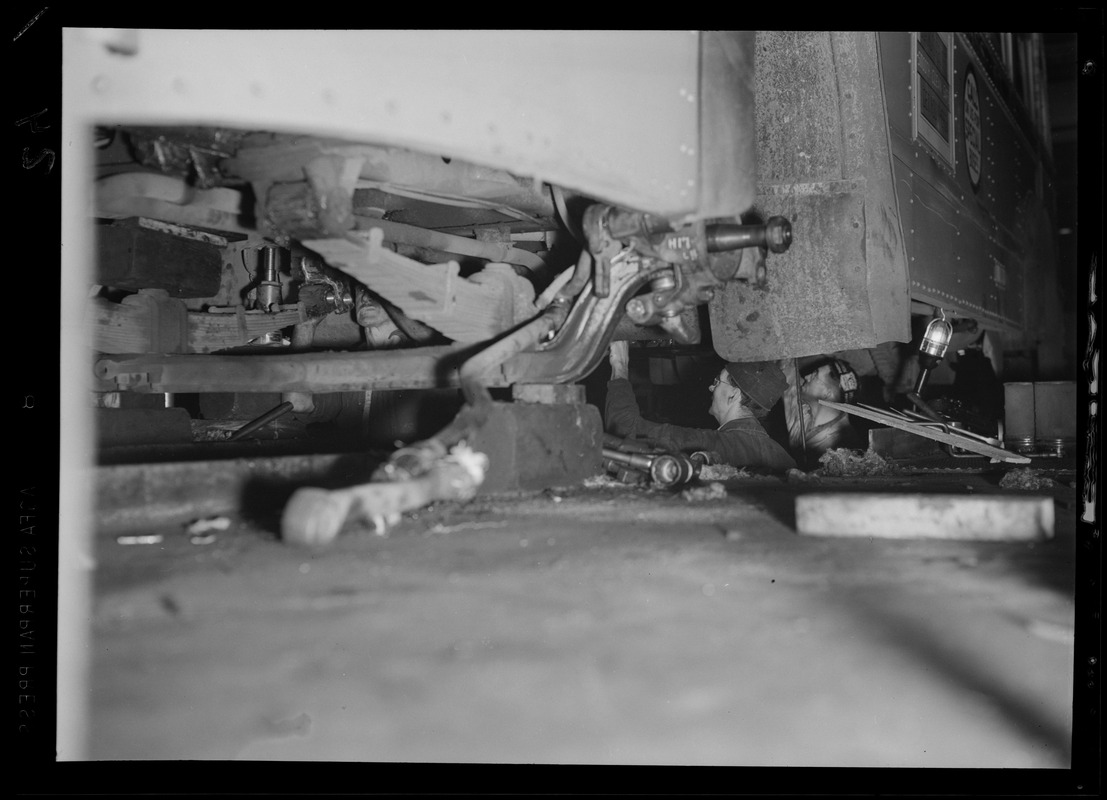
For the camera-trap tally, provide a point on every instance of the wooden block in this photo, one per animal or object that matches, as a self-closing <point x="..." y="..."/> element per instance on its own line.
<point x="129" y="256"/>
<point x="926" y="516"/>
<point x="535" y="446"/>
<point x="893" y="443"/>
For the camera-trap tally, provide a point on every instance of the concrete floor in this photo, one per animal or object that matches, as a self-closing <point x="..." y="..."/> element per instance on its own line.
<point x="592" y="625"/>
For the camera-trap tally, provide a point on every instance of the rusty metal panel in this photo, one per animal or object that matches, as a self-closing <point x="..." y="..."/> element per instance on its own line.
<point x="799" y="128"/>
<point x="613" y="114"/>
<point x="811" y="304"/>
<point x="824" y="162"/>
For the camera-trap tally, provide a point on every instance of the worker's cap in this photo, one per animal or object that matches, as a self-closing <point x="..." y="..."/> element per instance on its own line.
<point x="761" y="381"/>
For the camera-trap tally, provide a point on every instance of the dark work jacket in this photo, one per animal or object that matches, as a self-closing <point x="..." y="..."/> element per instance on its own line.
<point x="740" y="442"/>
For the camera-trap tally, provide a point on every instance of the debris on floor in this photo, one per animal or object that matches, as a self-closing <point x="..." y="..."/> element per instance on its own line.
<point x="201" y="531"/>
<point x="845" y="463"/>
<point x="926" y="516"/>
<point x="194" y="648"/>
<point x="461" y="526"/>
<point x="799" y="476"/>
<point x="699" y="494"/>
<point x="601" y="482"/>
<point x="154" y="538"/>
<point x="314" y="517"/>
<point x="1026" y="478"/>
<point x="208" y="524"/>
<point x="721" y="472"/>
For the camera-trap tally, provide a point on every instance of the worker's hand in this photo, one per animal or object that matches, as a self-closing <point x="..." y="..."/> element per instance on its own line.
<point x="620" y="360"/>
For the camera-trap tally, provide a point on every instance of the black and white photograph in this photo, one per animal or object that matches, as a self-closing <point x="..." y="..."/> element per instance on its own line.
<point x="540" y="397"/>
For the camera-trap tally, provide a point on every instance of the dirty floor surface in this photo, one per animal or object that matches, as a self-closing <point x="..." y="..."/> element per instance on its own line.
<point x="593" y="625"/>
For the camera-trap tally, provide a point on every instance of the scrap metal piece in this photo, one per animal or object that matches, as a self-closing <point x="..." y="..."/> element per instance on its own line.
<point x="954" y="440"/>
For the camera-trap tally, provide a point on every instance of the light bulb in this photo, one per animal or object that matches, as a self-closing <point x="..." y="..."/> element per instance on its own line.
<point x="936" y="339"/>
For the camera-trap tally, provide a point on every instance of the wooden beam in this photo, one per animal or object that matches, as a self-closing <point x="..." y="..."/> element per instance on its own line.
<point x="925" y="516"/>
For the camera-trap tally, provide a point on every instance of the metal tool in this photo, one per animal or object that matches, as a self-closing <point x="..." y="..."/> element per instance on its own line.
<point x="664" y="469"/>
<point x="261" y="421"/>
<point x="931" y="352"/>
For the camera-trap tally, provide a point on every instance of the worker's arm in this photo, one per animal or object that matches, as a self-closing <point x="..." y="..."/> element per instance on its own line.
<point x="623" y="418"/>
<point x="742" y="443"/>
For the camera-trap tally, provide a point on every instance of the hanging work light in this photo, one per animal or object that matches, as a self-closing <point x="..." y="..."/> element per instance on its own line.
<point x="933" y="348"/>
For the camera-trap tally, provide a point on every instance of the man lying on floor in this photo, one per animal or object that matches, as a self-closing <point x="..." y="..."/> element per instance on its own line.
<point x="741" y="396"/>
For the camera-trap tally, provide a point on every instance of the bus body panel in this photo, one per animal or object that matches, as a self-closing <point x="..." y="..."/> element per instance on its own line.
<point x="657" y="121"/>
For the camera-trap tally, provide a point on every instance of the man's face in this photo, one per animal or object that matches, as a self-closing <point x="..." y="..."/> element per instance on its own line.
<point x="823" y="384"/>
<point x="721" y="394"/>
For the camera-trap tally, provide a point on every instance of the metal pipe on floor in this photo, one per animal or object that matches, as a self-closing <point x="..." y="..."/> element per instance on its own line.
<point x="261" y="421"/>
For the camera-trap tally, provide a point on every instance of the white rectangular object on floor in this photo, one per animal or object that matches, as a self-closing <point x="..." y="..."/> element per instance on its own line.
<point x="926" y="516"/>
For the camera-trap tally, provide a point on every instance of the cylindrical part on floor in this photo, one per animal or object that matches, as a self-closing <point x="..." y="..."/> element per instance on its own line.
<point x="1055" y="416"/>
<point x="1018" y="419"/>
